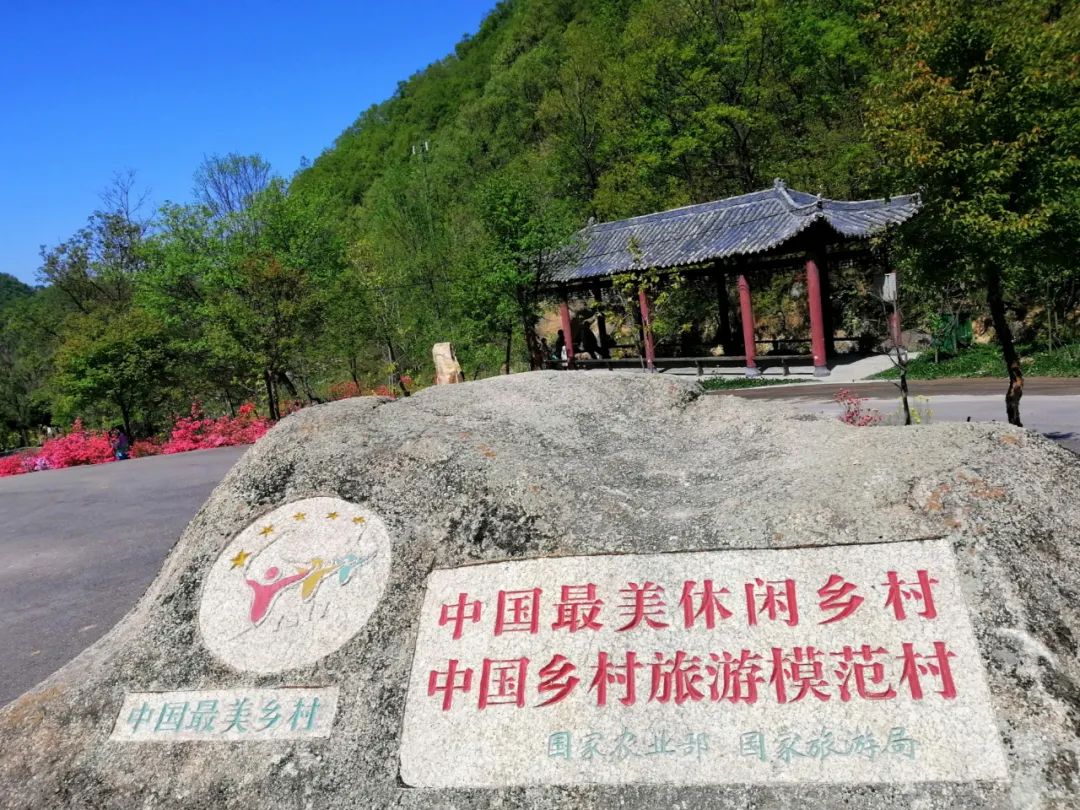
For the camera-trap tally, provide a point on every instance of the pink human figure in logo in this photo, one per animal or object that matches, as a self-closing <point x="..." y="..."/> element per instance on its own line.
<point x="264" y="593"/>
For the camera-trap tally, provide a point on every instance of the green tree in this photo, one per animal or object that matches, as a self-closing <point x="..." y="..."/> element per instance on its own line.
<point x="526" y="229"/>
<point x="190" y="244"/>
<point x="248" y="286"/>
<point x="101" y="337"/>
<point x="28" y="340"/>
<point x="229" y="185"/>
<point x="975" y="104"/>
<point x="12" y="290"/>
<point x="125" y="363"/>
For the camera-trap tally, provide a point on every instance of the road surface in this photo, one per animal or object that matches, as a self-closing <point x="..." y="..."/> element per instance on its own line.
<point x="79" y="546"/>
<point x="1050" y="405"/>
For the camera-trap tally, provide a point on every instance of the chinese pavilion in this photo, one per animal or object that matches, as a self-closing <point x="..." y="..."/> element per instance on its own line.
<point x="753" y="234"/>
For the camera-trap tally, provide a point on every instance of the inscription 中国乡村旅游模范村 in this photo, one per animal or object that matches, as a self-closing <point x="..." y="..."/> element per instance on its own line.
<point x="858" y="636"/>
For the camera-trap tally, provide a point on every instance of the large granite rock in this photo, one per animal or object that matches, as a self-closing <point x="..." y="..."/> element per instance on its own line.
<point x="556" y="464"/>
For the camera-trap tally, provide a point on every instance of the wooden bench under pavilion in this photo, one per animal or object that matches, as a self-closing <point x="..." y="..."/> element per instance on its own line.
<point x="750" y="235"/>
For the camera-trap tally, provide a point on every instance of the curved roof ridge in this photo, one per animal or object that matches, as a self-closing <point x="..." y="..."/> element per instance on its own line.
<point x="741" y="225"/>
<point x="780" y="187"/>
<point x="804" y="221"/>
<point x="682" y="210"/>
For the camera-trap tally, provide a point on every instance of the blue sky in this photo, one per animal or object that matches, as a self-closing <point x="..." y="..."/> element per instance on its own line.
<point x="91" y="88"/>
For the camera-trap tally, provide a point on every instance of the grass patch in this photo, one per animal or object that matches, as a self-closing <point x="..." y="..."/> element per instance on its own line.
<point x="729" y="383"/>
<point x="985" y="361"/>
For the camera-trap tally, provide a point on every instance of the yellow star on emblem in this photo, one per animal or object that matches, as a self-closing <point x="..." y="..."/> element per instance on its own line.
<point x="299" y="516"/>
<point x="266" y="530"/>
<point x="331" y="516"/>
<point x="358" y="520"/>
<point x="240" y="559"/>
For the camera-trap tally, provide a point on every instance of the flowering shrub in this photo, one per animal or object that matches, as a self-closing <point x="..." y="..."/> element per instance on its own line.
<point x="79" y="447"/>
<point x="287" y="406"/>
<point x="344" y="390"/>
<point x="16" y="463"/>
<point x="854" y="411"/>
<point x="194" y="432"/>
<point x="145" y="447"/>
<point x="197" y="432"/>
<point x="921" y="413"/>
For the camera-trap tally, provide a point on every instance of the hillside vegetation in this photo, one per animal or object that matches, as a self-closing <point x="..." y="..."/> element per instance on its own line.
<point x="436" y="213"/>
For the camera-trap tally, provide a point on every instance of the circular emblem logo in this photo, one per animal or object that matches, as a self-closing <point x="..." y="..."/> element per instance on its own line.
<point x="295" y="585"/>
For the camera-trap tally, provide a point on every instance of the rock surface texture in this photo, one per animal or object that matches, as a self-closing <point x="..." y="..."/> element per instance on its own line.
<point x="553" y="464"/>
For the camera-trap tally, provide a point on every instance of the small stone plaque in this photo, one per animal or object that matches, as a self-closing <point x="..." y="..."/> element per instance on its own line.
<point x="295" y="585"/>
<point x="851" y="664"/>
<point x="227" y="715"/>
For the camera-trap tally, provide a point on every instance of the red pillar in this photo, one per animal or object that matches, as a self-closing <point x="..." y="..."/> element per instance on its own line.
<point x="817" y="318"/>
<point x="746" y="311"/>
<point x="646" y="326"/>
<point x="568" y="335"/>
<point x="894" y="326"/>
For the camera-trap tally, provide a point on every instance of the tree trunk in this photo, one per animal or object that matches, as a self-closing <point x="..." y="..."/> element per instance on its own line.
<point x="904" y="393"/>
<point x="723" y="311"/>
<point x="601" y="324"/>
<point x="1049" y="320"/>
<point x="125" y="414"/>
<point x="24" y="435"/>
<point x="532" y="341"/>
<point x="394" y="372"/>
<point x="312" y="397"/>
<point x="290" y="386"/>
<point x="509" y="346"/>
<point x="271" y="395"/>
<point x="1008" y="349"/>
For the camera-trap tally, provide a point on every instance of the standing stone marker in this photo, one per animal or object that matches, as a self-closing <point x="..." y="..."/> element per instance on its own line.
<point x="447" y="367"/>
<point x="348" y="621"/>
<point x="852" y="664"/>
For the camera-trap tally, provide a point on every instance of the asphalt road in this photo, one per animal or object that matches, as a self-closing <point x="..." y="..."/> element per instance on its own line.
<point x="980" y="386"/>
<point x="79" y="546"/>
<point x="1050" y="405"/>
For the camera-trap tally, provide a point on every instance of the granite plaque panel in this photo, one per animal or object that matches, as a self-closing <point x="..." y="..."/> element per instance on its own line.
<point x="829" y="664"/>
<point x="227" y="715"/>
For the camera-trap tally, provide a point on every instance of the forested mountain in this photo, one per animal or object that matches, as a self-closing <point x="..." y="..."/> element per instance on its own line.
<point x="12" y="289"/>
<point x="631" y="106"/>
<point x="432" y="217"/>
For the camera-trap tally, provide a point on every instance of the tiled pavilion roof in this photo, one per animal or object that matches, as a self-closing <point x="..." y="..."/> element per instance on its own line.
<point x="744" y="225"/>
